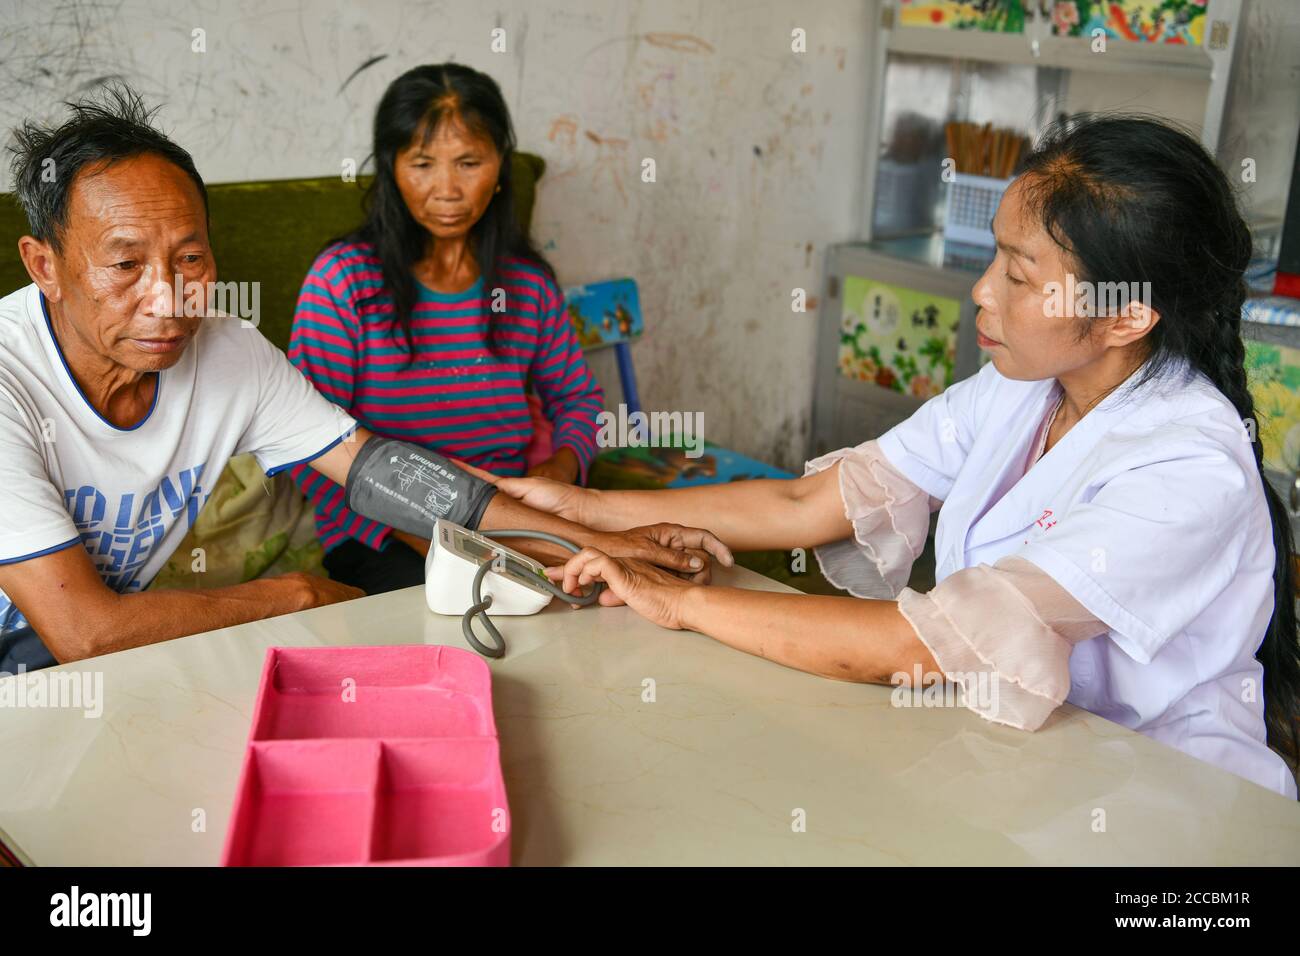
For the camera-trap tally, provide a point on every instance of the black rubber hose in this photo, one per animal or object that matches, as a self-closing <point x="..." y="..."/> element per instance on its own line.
<point x="481" y="604"/>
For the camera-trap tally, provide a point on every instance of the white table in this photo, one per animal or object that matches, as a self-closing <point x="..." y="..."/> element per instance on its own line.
<point x="715" y="770"/>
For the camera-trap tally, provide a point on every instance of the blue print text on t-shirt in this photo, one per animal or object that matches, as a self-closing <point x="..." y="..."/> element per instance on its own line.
<point x="120" y="538"/>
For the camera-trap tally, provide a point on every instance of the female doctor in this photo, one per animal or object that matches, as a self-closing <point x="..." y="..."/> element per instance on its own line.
<point x="1105" y="535"/>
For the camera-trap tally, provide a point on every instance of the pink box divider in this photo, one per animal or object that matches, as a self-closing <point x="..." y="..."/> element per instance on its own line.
<point x="372" y="756"/>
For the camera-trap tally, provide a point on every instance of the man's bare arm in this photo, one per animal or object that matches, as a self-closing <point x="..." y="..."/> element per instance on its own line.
<point x="78" y="616"/>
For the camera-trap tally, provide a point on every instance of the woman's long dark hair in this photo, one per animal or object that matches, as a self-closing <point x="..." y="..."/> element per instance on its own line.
<point x="414" y="105"/>
<point x="1131" y="199"/>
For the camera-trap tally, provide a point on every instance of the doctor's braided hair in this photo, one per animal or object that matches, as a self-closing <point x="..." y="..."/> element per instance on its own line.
<point x="1133" y="199"/>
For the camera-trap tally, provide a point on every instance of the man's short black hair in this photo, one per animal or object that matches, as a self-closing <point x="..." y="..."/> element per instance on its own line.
<point x="111" y="125"/>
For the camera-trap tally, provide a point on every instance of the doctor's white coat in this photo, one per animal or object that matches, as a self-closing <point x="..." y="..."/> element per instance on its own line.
<point x="1150" y="511"/>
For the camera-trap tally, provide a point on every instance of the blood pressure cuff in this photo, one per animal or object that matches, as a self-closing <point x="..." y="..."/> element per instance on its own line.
<point x="408" y="487"/>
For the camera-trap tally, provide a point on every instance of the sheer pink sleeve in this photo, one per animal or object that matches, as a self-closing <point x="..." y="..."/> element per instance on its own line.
<point x="890" y="517"/>
<point x="1004" y="633"/>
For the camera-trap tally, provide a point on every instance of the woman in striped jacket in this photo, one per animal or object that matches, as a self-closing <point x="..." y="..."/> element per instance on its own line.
<point x="428" y="321"/>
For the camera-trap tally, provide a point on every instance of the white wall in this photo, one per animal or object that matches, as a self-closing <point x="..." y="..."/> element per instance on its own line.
<point x="1262" y="117"/>
<point x="758" y="149"/>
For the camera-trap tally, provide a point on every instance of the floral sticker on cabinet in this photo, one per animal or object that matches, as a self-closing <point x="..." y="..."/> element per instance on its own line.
<point x="901" y="339"/>
<point x="1142" y="21"/>
<point x="1002" y="16"/>
<point x="1273" y="372"/>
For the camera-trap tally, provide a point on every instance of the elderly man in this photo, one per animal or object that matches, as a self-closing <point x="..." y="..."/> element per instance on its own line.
<point x="119" y="407"/>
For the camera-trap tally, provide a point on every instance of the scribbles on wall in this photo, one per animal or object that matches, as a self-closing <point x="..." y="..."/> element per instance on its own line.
<point x="370" y="61"/>
<point x="679" y="42"/>
<point x="252" y="90"/>
<point x="901" y="339"/>
<point x="611" y="163"/>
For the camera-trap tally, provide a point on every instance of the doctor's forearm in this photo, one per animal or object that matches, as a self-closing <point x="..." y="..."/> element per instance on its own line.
<point x="747" y="515"/>
<point x="843" y="638"/>
<point x="505" y="512"/>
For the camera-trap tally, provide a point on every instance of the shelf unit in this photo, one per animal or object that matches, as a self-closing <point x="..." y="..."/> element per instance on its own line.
<point x="1056" y="60"/>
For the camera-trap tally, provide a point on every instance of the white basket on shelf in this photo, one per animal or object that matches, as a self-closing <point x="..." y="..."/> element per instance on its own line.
<point x="972" y="201"/>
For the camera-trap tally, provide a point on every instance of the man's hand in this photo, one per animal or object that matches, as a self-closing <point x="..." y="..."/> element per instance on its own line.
<point x="562" y="466"/>
<point x="77" y="616"/>
<point x="316" y="591"/>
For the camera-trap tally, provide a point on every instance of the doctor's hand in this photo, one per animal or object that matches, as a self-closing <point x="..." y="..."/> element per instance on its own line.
<point x="554" y="497"/>
<point x="670" y="546"/>
<point x="652" y="592"/>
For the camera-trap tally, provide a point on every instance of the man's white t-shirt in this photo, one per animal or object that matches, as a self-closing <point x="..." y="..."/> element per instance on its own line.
<point x="129" y="495"/>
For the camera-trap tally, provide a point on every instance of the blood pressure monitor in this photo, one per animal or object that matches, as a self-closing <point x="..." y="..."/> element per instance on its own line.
<point x="516" y="583"/>
<point x="466" y="572"/>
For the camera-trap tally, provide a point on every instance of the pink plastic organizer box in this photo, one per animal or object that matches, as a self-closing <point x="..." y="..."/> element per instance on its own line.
<point x="369" y="756"/>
